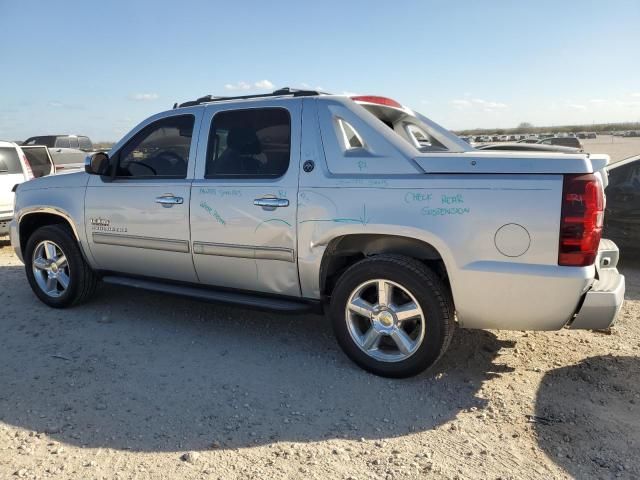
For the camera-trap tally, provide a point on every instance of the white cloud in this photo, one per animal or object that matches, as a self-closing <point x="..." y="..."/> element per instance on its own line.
<point x="622" y="103"/>
<point x="56" y="104"/>
<point x="459" y="103"/>
<point x="237" y="86"/>
<point x="242" y="85"/>
<point x="264" y="85"/>
<point x="143" y="97"/>
<point x="636" y="94"/>
<point x="576" y="106"/>
<point x="597" y="101"/>
<point x="489" y="106"/>
<point x="478" y="104"/>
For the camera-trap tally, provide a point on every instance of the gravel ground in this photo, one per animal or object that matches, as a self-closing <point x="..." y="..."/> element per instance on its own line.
<point x="141" y="385"/>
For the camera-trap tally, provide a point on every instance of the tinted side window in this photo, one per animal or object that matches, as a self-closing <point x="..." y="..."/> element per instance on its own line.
<point x="38" y="160"/>
<point x="253" y="143"/>
<point x="9" y="161"/>
<point x="62" y="142"/>
<point x="159" y="150"/>
<point x="73" y="142"/>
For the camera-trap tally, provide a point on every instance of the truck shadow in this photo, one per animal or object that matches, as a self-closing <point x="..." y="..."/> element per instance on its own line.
<point x="146" y="372"/>
<point x="588" y="417"/>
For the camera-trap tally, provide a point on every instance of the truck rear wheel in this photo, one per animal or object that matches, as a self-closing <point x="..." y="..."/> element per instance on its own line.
<point x="392" y="315"/>
<point x="56" y="270"/>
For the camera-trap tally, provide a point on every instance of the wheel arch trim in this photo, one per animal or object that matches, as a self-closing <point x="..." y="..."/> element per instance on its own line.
<point x="434" y="245"/>
<point x="55" y="211"/>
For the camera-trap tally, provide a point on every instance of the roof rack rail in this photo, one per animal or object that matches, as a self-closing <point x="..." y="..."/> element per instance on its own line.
<point x="276" y="93"/>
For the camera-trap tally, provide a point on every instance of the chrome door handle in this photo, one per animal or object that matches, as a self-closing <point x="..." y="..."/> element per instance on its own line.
<point x="168" y="201"/>
<point x="270" y="203"/>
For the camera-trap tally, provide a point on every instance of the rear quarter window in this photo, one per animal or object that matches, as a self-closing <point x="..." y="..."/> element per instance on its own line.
<point x="9" y="161"/>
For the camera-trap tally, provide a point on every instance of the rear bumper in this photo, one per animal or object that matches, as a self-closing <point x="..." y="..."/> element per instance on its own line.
<point x="513" y="296"/>
<point x="604" y="300"/>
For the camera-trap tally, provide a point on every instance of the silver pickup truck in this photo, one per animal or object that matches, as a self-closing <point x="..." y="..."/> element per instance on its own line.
<point x="299" y="200"/>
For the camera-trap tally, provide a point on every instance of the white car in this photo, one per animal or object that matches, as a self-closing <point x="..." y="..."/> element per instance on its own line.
<point x="14" y="169"/>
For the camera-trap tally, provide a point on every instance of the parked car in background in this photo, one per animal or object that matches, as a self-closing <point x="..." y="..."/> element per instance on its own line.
<point x="562" y="141"/>
<point x="592" y="135"/>
<point x="14" y="169"/>
<point x="67" y="151"/>
<point x="356" y="205"/>
<point x="622" y="214"/>
<point x="528" y="147"/>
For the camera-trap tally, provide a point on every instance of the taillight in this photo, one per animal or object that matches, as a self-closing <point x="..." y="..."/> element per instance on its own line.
<point x="27" y="166"/>
<point x="581" y="220"/>
<point x="387" y="102"/>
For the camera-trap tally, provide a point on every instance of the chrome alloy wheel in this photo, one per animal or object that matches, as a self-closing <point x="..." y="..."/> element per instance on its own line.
<point x="50" y="268"/>
<point x="385" y="320"/>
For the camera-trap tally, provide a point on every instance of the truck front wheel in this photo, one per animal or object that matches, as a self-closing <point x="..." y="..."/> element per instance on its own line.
<point x="56" y="270"/>
<point x="392" y="315"/>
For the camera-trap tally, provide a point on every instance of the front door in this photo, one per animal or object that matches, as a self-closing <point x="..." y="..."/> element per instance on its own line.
<point x="243" y="199"/>
<point x="137" y="220"/>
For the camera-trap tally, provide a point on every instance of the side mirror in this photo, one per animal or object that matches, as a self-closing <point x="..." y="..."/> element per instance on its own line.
<point x="97" y="164"/>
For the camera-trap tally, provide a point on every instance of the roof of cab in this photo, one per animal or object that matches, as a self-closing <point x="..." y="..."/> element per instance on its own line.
<point x="281" y="92"/>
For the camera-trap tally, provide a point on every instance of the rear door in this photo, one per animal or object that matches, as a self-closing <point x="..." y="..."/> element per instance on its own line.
<point x="137" y="221"/>
<point x="243" y="200"/>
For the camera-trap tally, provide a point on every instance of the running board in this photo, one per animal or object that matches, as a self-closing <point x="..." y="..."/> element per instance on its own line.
<point x="241" y="299"/>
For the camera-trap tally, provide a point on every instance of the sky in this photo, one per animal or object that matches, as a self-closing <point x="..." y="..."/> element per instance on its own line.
<point x="99" y="68"/>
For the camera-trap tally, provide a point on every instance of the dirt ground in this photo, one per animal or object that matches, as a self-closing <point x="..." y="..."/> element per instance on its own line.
<point x="140" y="385"/>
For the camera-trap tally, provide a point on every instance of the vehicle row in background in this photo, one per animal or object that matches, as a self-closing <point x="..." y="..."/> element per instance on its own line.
<point x="14" y="169"/>
<point x="36" y="157"/>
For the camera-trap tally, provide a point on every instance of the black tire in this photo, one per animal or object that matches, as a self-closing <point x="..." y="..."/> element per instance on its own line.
<point x="82" y="280"/>
<point x="433" y="297"/>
